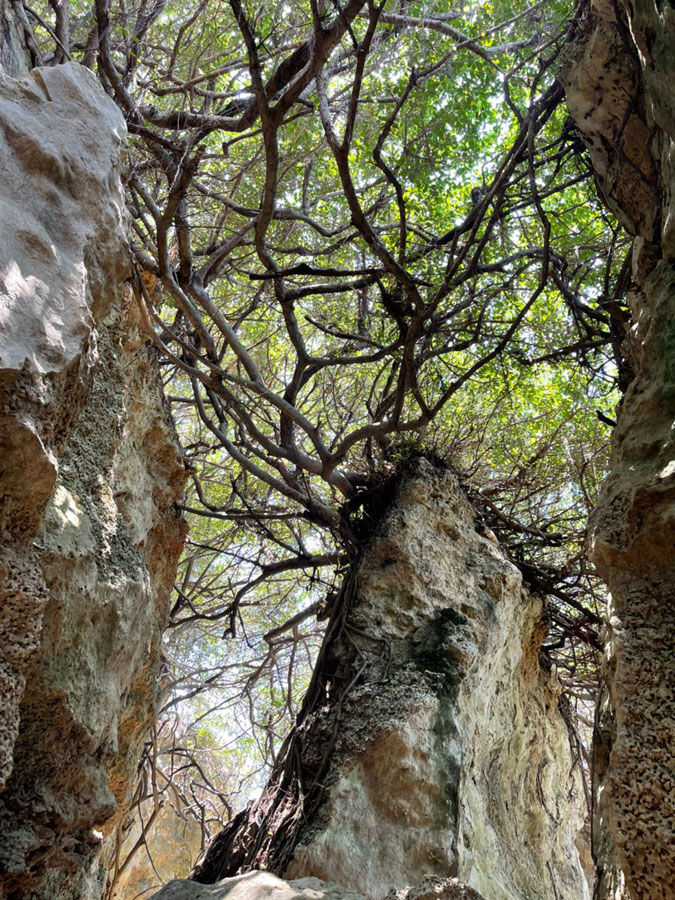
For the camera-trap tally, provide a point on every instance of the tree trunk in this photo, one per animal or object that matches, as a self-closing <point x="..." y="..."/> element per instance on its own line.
<point x="14" y="56"/>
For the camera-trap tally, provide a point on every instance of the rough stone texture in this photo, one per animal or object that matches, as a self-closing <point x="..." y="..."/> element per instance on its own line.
<point x="89" y="472"/>
<point x="602" y="82"/>
<point x="633" y="527"/>
<point x="265" y="886"/>
<point x="451" y="757"/>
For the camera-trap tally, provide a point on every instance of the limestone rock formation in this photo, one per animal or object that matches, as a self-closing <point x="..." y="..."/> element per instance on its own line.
<point x="437" y="748"/>
<point x="453" y="759"/>
<point x="89" y="474"/>
<point x="436" y="889"/>
<point x="630" y="132"/>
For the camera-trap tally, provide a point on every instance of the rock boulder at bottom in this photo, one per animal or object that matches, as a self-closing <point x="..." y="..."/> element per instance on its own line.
<point x="265" y="886"/>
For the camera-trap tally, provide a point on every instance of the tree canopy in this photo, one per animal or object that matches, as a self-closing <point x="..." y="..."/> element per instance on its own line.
<point x="360" y="230"/>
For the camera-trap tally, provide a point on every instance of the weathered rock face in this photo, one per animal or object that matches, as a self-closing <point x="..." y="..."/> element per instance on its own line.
<point x="452" y="757"/>
<point x="89" y="474"/>
<point x="630" y="130"/>
<point x="437" y="747"/>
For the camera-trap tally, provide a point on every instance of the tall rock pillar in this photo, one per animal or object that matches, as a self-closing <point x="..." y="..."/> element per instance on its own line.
<point x="89" y="475"/>
<point x="431" y="743"/>
<point x="618" y="76"/>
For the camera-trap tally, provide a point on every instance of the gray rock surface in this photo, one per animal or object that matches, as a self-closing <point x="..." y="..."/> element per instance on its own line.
<point x="265" y="886"/>
<point x="255" y="886"/>
<point x="88" y="477"/>
<point x="630" y="130"/>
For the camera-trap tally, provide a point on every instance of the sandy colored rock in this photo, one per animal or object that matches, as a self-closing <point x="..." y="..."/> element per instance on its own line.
<point x="452" y="759"/>
<point x="172" y="846"/>
<point x="57" y="254"/>
<point x="90" y="474"/>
